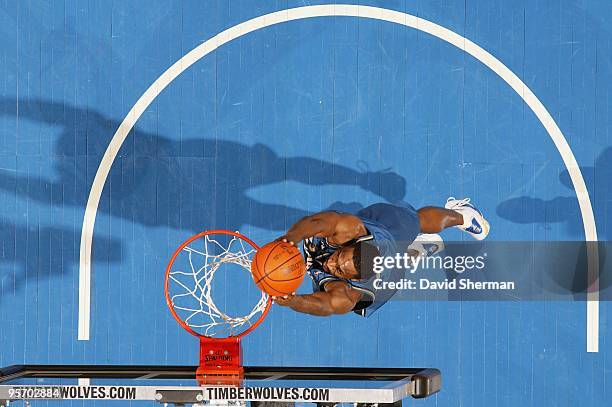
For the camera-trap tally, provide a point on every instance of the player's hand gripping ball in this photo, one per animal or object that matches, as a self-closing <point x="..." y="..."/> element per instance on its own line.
<point x="278" y="269"/>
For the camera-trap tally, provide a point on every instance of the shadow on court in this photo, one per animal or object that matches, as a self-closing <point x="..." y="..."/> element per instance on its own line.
<point x="189" y="184"/>
<point x="192" y="184"/>
<point x="565" y="210"/>
<point x="37" y="253"/>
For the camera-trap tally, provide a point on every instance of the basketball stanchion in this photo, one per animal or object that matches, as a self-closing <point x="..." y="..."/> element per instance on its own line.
<point x="217" y="260"/>
<point x="188" y="290"/>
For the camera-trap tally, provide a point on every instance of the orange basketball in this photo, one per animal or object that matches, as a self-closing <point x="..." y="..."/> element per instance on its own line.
<point x="278" y="268"/>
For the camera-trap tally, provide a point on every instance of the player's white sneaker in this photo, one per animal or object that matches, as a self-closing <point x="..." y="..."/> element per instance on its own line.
<point x="427" y="244"/>
<point x="474" y="222"/>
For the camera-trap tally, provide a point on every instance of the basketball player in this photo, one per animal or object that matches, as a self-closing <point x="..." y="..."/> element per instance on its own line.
<point x="340" y="250"/>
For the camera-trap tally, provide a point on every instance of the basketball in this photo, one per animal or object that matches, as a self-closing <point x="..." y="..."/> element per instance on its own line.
<point x="278" y="268"/>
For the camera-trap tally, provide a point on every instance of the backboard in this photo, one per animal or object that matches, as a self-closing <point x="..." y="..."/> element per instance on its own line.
<point x="176" y="385"/>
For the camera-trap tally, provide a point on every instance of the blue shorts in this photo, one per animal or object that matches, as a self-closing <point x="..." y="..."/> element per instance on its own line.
<point x="400" y="221"/>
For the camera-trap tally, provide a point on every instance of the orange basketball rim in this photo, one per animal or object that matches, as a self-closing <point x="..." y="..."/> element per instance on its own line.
<point x="190" y="281"/>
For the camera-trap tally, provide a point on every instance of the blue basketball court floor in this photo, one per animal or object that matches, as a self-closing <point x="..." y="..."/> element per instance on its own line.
<point x="127" y="126"/>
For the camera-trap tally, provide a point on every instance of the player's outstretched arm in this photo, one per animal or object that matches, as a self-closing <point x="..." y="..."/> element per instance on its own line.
<point x="338" y="298"/>
<point x="340" y="227"/>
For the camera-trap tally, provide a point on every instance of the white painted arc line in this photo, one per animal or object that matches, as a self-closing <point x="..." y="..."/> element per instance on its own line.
<point x="377" y="13"/>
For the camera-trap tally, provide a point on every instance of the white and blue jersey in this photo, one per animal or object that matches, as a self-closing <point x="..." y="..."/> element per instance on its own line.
<point x="386" y="225"/>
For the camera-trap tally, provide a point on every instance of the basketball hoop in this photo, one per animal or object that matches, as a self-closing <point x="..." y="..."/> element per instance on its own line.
<point x="188" y="290"/>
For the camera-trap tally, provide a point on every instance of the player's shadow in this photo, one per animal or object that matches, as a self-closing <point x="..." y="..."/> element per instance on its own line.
<point x="565" y="210"/>
<point x="37" y="253"/>
<point x="192" y="184"/>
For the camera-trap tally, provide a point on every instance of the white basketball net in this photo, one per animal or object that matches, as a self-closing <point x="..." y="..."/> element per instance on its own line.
<point x="202" y="314"/>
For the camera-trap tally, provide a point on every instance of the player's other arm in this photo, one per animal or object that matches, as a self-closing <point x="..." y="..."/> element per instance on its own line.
<point x="340" y="227"/>
<point x="338" y="298"/>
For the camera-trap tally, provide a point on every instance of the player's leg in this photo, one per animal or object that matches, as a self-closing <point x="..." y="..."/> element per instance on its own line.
<point x="456" y="212"/>
<point x="435" y="219"/>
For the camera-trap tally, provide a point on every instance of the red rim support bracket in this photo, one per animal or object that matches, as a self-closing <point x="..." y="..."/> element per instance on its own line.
<point x="220" y="362"/>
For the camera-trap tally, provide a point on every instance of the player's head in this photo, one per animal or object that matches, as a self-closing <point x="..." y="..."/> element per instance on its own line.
<point x="353" y="262"/>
